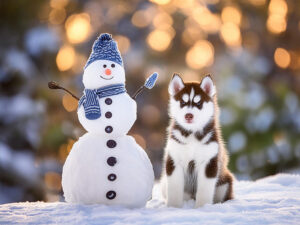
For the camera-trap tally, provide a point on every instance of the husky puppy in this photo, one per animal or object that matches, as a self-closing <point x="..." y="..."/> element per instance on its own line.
<point x="195" y="163"/>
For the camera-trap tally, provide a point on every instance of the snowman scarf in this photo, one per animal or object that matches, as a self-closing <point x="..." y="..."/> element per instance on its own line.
<point x="90" y="99"/>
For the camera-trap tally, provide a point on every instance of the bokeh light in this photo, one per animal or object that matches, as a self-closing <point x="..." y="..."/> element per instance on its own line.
<point x="159" y="40"/>
<point x="141" y="18"/>
<point x="162" y="20"/>
<point x="282" y="58"/>
<point x="200" y="55"/>
<point x="208" y="21"/>
<point x="161" y="2"/>
<point x="276" y="22"/>
<point x="231" y="35"/>
<point x="69" y="103"/>
<point x="78" y="27"/>
<point x="65" y="58"/>
<point x="58" y="4"/>
<point x="232" y="15"/>
<point x="278" y="7"/>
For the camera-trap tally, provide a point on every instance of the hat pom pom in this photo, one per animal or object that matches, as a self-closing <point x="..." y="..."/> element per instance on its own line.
<point x="105" y="37"/>
<point x="102" y="41"/>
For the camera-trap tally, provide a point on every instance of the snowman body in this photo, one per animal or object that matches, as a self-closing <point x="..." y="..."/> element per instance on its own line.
<point x="106" y="166"/>
<point x="118" y="114"/>
<point x="96" y="173"/>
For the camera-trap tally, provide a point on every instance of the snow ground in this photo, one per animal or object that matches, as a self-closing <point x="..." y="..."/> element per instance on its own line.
<point x="272" y="200"/>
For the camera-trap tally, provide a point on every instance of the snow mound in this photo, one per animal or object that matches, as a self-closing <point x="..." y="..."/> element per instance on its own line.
<point x="272" y="200"/>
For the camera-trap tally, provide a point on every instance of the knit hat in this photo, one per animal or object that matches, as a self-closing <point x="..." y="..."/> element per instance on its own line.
<point x="105" y="48"/>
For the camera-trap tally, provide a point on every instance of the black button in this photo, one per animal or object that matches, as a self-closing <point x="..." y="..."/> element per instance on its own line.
<point x="108" y="129"/>
<point x="111" y="161"/>
<point x="108" y="101"/>
<point x="111" y="195"/>
<point x="112" y="177"/>
<point x="111" y="143"/>
<point x="108" y="115"/>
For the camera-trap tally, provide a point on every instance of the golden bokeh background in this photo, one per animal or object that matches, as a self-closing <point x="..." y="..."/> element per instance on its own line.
<point x="250" y="47"/>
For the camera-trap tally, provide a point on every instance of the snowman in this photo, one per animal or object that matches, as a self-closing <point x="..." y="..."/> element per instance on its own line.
<point x="106" y="166"/>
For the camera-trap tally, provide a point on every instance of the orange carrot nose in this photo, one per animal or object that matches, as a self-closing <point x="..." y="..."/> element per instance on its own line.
<point x="108" y="72"/>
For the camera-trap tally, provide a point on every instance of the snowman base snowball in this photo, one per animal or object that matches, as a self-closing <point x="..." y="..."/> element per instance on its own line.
<point x="95" y="173"/>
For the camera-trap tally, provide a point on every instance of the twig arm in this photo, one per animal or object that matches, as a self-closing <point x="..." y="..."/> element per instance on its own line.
<point x="54" y="85"/>
<point x="137" y="92"/>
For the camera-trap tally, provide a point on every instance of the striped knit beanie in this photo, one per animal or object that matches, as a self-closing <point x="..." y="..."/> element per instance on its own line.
<point x="105" y="48"/>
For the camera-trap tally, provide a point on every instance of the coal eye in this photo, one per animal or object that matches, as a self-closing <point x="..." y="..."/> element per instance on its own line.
<point x="104" y="66"/>
<point x="112" y="65"/>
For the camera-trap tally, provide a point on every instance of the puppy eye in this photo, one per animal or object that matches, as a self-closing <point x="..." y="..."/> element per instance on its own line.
<point x="113" y="65"/>
<point x="104" y="66"/>
<point x="196" y="99"/>
<point x="185" y="98"/>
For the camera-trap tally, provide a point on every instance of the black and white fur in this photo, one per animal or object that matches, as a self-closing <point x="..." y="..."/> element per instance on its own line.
<point x="195" y="164"/>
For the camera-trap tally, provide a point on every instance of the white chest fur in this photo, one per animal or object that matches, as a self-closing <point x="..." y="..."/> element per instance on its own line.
<point x="191" y="149"/>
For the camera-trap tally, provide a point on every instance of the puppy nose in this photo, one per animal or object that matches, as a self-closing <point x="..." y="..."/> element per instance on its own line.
<point x="188" y="116"/>
<point x="108" y="72"/>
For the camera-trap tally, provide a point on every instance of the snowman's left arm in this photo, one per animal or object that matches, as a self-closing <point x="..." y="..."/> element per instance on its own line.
<point x="149" y="84"/>
<point x="138" y="91"/>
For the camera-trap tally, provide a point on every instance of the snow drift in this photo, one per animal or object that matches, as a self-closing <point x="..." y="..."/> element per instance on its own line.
<point x="272" y="200"/>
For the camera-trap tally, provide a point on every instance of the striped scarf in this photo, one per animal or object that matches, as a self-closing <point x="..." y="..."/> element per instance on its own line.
<point x="90" y="99"/>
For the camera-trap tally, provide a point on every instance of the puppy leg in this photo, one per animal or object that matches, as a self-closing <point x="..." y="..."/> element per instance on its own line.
<point x="229" y="194"/>
<point x="175" y="187"/>
<point x="221" y="192"/>
<point x="206" y="182"/>
<point x="205" y="191"/>
<point x="224" y="187"/>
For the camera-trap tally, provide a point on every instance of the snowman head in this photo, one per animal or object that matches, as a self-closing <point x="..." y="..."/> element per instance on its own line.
<point x="104" y="66"/>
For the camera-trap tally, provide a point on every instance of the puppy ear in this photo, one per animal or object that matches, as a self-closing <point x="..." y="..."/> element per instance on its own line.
<point x="176" y="84"/>
<point x="208" y="86"/>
